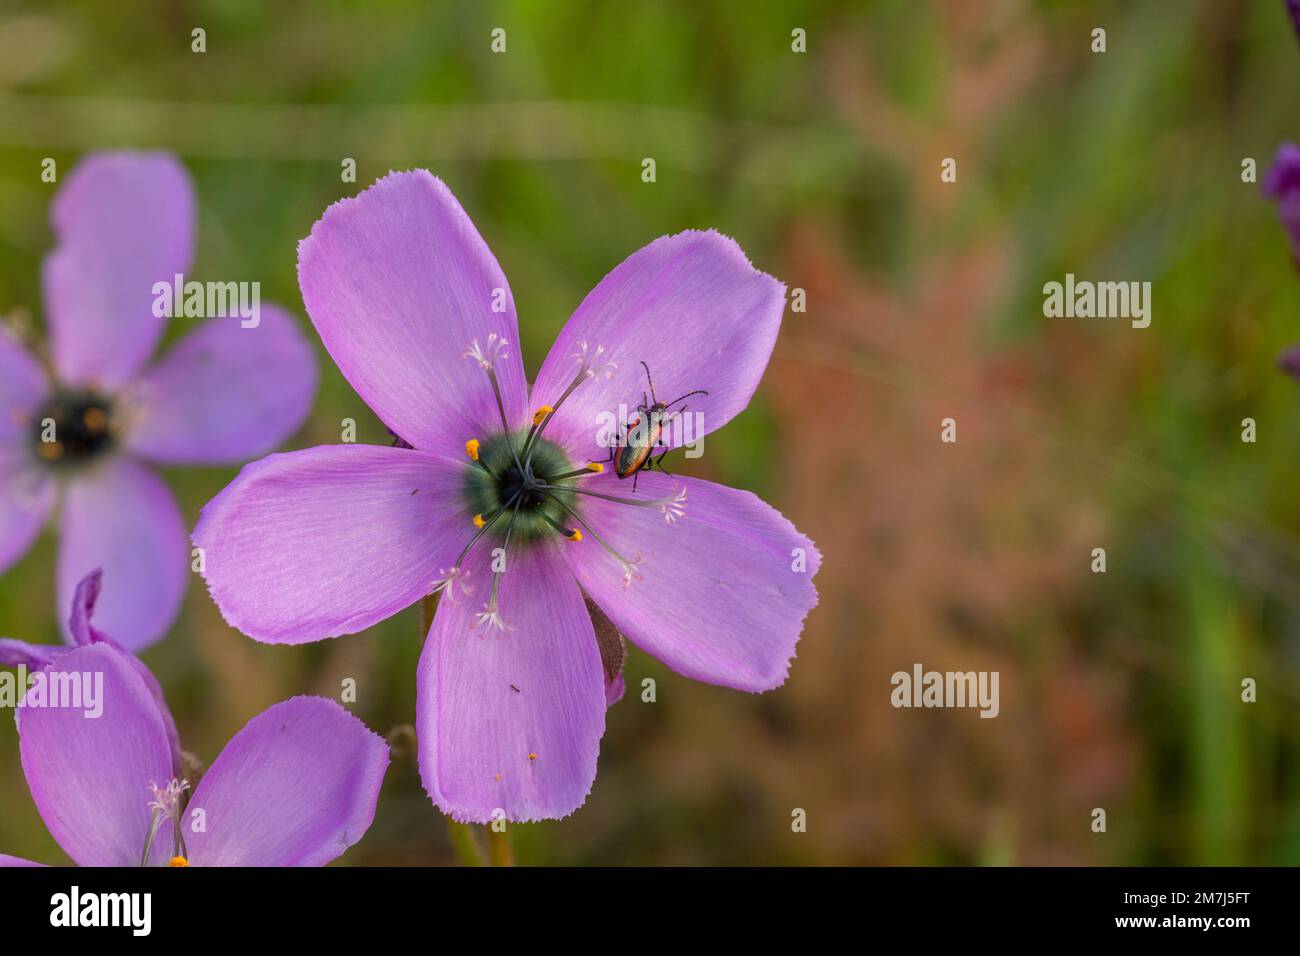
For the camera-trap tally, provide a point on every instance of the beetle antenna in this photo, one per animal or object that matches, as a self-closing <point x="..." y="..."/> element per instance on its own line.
<point x="698" y="391"/>
<point x="651" y="381"/>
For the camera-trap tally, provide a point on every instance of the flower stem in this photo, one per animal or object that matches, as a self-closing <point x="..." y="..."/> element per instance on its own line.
<point x="499" y="849"/>
<point x="428" y="604"/>
<point x="463" y="842"/>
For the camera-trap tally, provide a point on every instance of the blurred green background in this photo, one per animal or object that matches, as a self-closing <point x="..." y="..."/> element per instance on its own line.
<point x="1119" y="690"/>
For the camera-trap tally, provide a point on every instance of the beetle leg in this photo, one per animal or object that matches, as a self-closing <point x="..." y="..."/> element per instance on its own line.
<point x="622" y="440"/>
<point x="660" y="462"/>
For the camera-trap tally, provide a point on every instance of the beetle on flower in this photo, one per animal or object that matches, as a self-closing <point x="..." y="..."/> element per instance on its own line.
<point x="296" y="787"/>
<point x="84" y="438"/>
<point x="495" y="497"/>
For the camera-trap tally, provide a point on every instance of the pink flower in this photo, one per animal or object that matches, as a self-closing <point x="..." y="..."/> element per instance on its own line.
<point x="519" y="533"/>
<point x="296" y="787"/>
<point x="86" y="438"/>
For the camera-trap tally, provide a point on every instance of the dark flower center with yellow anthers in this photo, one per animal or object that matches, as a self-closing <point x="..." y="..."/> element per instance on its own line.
<point x="72" y="428"/>
<point x="529" y="493"/>
<point x="520" y="487"/>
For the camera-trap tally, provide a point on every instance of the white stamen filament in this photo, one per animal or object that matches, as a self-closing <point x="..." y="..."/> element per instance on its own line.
<point x="493" y="353"/>
<point x="166" y="806"/>
<point x="662" y="503"/>
<point x="629" y="567"/>
<point x="449" y="580"/>
<point x="491" y="613"/>
<point x="585" y="356"/>
<point x="487" y="359"/>
<point x="674" y="507"/>
<point x="590" y="365"/>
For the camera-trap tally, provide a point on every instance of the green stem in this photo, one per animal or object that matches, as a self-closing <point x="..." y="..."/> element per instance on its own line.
<point x="499" y="849"/>
<point x="463" y="842"/>
<point x="428" y="604"/>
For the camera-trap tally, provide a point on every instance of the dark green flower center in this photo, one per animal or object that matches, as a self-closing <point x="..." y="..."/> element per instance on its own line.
<point x="73" y="428"/>
<point x="531" y="492"/>
<point x="520" y="487"/>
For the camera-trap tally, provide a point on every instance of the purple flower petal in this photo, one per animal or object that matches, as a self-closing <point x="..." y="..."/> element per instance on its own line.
<point x="22" y="388"/>
<point x="1289" y="360"/>
<point x="225" y="393"/>
<point x="512" y="720"/>
<point x="121" y="517"/>
<point x="399" y="284"/>
<point x="90" y="776"/>
<point x="39" y="656"/>
<point x="14" y="861"/>
<point x="1282" y="184"/>
<point x="296" y="787"/>
<point x="26" y="493"/>
<point x="1288" y="212"/>
<point x="84" y="598"/>
<point x="613" y="653"/>
<point x="164" y="712"/>
<point x="614" y="690"/>
<point x="717" y="598"/>
<point x="83" y="632"/>
<point x="1284" y="175"/>
<point x="330" y="540"/>
<point x="694" y="309"/>
<point x="32" y="656"/>
<point x="26" y="499"/>
<point x="122" y="221"/>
